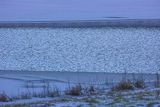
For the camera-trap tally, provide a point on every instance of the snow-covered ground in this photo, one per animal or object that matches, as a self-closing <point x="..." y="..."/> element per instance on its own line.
<point x="80" y="49"/>
<point x="53" y="10"/>
<point x="17" y="82"/>
<point x="14" y="84"/>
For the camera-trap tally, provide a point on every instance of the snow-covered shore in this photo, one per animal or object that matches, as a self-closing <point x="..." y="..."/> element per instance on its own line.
<point x="14" y="84"/>
<point x="19" y="79"/>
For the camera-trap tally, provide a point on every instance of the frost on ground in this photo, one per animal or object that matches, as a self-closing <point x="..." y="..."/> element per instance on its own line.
<point x="35" y="81"/>
<point x="80" y="49"/>
<point x="141" y="98"/>
<point x="26" y="90"/>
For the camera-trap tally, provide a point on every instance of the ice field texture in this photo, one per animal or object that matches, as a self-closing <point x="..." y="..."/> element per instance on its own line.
<point x="80" y="49"/>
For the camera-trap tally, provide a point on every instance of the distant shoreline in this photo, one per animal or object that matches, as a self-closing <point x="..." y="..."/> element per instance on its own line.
<point x="82" y="23"/>
<point x="39" y="71"/>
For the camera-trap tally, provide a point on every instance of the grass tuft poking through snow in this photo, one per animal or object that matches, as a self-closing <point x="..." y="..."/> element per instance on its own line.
<point x="74" y="91"/>
<point x="123" y="85"/>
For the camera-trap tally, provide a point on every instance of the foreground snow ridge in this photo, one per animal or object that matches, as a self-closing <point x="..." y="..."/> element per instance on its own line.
<point x="80" y="49"/>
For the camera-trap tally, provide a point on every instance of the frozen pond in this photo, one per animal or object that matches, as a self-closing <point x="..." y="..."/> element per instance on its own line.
<point x="80" y="49"/>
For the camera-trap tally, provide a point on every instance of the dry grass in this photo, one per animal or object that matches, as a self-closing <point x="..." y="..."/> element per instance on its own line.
<point x="74" y="91"/>
<point x="4" y="97"/>
<point x="139" y="83"/>
<point x="123" y="85"/>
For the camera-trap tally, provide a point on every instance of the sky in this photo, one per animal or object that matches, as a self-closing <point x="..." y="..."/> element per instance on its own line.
<point x="51" y="10"/>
